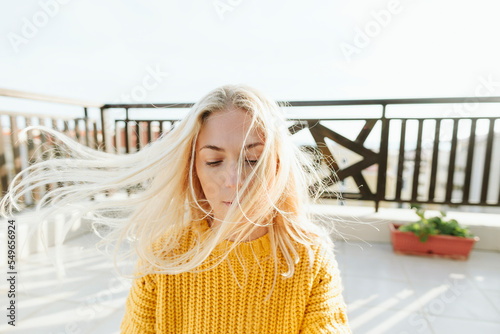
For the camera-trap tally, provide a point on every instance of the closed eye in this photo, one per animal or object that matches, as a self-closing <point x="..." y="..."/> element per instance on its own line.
<point x="216" y="163"/>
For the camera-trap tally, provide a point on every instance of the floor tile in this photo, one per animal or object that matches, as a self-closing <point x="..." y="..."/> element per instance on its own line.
<point x="485" y="278"/>
<point x="463" y="326"/>
<point x="61" y="317"/>
<point x="494" y="297"/>
<point x="374" y="320"/>
<point x="381" y="293"/>
<point x="110" y="325"/>
<point x="432" y="270"/>
<point x="456" y="299"/>
<point x="376" y="267"/>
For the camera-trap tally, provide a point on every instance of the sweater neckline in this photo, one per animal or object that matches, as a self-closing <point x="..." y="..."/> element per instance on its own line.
<point x="256" y="247"/>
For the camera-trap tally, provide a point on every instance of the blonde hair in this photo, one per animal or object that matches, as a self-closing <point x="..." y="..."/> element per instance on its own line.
<point x="172" y="197"/>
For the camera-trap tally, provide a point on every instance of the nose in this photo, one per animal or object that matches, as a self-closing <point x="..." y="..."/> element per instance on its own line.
<point x="231" y="177"/>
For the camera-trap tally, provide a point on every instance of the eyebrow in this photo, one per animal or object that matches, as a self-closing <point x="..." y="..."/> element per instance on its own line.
<point x="220" y="149"/>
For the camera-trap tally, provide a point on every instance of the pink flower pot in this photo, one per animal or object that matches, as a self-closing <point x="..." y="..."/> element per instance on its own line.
<point x="446" y="246"/>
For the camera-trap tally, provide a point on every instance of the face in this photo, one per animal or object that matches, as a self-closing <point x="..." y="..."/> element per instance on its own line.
<point x="217" y="152"/>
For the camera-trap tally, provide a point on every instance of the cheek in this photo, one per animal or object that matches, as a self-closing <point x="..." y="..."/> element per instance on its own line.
<point x="210" y="183"/>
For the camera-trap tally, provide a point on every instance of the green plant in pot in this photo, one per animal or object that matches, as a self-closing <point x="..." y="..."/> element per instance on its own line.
<point x="436" y="225"/>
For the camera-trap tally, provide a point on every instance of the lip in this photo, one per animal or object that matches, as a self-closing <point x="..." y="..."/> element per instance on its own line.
<point x="227" y="203"/>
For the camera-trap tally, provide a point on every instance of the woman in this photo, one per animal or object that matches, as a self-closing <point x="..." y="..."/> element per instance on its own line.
<point x="223" y="211"/>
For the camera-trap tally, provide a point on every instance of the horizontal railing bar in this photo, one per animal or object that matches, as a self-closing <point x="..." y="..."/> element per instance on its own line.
<point x="147" y="105"/>
<point x="288" y="119"/>
<point x="442" y="203"/>
<point x="147" y="120"/>
<point x="482" y="99"/>
<point x="436" y="118"/>
<point x="28" y="114"/>
<point x="334" y="119"/>
<point x="47" y="98"/>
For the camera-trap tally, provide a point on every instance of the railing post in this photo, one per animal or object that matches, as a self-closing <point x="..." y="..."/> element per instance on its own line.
<point x="86" y="118"/>
<point x="106" y="142"/>
<point x="382" y="164"/>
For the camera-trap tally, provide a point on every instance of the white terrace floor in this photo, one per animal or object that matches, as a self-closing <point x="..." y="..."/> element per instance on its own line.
<point x="385" y="292"/>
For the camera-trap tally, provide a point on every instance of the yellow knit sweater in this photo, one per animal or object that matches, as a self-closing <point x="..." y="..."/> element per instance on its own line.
<point x="212" y="301"/>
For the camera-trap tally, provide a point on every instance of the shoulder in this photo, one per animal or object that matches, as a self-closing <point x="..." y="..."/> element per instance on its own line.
<point x="324" y="257"/>
<point x="315" y="255"/>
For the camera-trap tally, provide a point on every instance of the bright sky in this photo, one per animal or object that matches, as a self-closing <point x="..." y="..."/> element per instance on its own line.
<point x="99" y="50"/>
<point x="176" y="51"/>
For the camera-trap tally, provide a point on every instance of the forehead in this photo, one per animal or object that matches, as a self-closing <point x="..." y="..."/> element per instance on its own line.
<point x="228" y="129"/>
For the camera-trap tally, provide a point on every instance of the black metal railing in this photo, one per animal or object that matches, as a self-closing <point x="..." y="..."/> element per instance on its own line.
<point x="410" y="166"/>
<point x="451" y="171"/>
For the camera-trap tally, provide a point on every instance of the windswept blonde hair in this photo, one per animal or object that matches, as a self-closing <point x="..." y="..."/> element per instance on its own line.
<point x="172" y="197"/>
